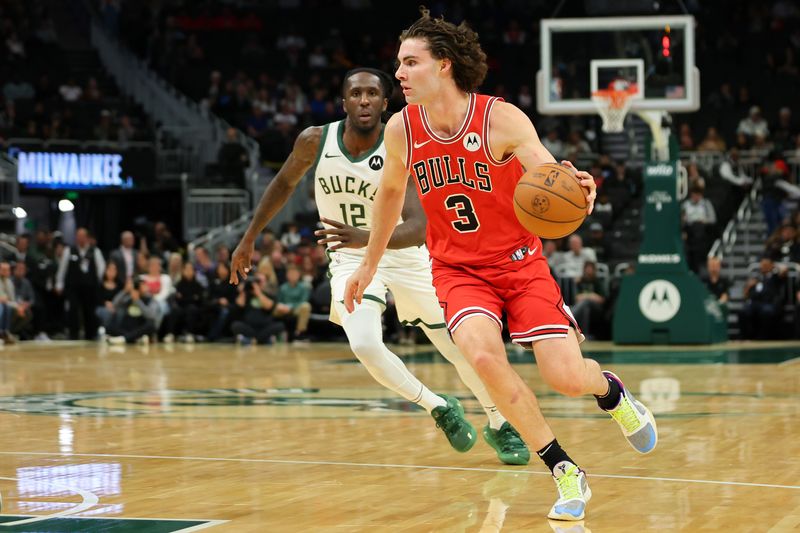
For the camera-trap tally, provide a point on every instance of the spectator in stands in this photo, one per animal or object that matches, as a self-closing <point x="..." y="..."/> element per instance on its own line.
<point x="293" y="303"/>
<point x="160" y="287"/>
<point x="753" y="124"/>
<point x="221" y="298"/>
<point x="699" y="220"/>
<point x="17" y="88"/>
<point x="784" y="130"/>
<point x="233" y="160"/>
<point x="617" y="187"/>
<point x="257" y="123"/>
<point x="772" y="195"/>
<point x="291" y="237"/>
<point x="784" y="244"/>
<point x="15" y="47"/>
<point x="732" y="170"/>
<point x="92" y="92"/>
<point x="222" y="254"/>
<point x="110" y="286"/>
<point x="125" y="257"/>
<point x="599" y="242"/>
<point x="253" y="314"/>
<point x="266" y="269"/>
<point x="163" y="242"/>
<point x="573" y="260"/>
<point x="135" y="314"/>
<point x="760" y="146"/>
<point x="70" y="91"/>
<point x="80" y="270"/>
<point x="22" y="322"/>
<point x="712" y="142"/>
<point x="589" y="302"/>
<point x="763" y="307"/>
<point x="685" y="137"/>
<point x="103" y="130"/>
<point x="126" y="132"/>
<point x="554" y="144"/>
<point x="551" y="252"/>
<point x="204" y="266"/>
<point x="175" y="267"/>
<point x="285" y="120"/>
<point x="716" y="283"/>
<point x="576" y="146"/>
<point x="8" y="303"/>
<point x="185" y="319"/>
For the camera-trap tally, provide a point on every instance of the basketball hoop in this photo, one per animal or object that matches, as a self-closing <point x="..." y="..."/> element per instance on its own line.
<point x="613" y="105"/>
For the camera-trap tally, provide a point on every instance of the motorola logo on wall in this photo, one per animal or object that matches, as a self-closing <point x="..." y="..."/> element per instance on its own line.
<point x="58" y="170"/>
<point x="659" y="300"/>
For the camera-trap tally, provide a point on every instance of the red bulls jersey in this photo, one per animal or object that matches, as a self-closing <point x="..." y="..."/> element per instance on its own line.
<point x="466" y="193"/>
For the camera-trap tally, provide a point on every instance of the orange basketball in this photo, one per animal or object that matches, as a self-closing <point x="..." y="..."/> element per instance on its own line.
<point x="549" y="201"/>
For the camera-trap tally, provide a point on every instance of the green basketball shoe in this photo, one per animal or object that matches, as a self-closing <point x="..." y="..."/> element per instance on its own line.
<point x="450" y="419"/>
<point x="508" y="444"/>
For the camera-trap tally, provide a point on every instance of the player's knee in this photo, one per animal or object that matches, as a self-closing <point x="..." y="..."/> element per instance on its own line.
<point x="486" y="363"/>
<point x="367" y="350"/>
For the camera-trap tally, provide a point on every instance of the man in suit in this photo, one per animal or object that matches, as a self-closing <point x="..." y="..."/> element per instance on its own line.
<point x="125" y="257"/>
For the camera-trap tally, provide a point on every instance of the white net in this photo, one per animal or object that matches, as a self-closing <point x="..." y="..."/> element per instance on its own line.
<point x="613" y="106"/>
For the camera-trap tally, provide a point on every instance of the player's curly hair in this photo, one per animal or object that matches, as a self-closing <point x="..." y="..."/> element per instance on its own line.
<point x="459" y="44"/>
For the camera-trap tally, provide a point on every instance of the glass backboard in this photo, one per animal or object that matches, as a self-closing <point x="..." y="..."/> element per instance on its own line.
<point x="580" y="56"/>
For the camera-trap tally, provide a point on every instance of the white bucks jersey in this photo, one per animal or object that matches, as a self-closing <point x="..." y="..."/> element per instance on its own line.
<point x="345" y="188"/>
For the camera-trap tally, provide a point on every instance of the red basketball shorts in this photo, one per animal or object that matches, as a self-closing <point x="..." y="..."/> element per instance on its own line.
<point x="525" y="290"/>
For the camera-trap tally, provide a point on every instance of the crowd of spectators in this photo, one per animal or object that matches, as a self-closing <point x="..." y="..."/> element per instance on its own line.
<point x="149" y="289"/>
<point x="49" y="93"/>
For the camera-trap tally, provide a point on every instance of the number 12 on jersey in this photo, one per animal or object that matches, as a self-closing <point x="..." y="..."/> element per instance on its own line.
<point x="467" y="220"/>
<point x="357" y="215"/>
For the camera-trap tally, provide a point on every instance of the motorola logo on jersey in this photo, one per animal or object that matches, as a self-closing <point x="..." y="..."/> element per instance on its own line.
<point x="472" y="142"/>
<point x="376" y="162"/>
<point x="659" y="300"/>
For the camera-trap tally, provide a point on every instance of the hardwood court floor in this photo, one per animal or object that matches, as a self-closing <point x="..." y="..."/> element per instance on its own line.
<point x="301" y="439"/>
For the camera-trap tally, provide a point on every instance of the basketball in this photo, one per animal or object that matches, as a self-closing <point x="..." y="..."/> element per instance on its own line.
<point x="549" y="201"/>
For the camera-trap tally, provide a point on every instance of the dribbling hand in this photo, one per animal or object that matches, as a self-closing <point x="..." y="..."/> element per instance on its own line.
<point x="587" y="182"/>
<point x="240" y="262"/>
<point x="356" y="285"/>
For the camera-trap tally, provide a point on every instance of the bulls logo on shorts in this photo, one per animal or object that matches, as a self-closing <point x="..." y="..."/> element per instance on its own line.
<point x="472" y="142"/>
<point x="376" y="162"/>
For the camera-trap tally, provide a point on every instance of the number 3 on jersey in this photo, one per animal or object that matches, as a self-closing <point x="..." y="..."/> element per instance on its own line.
<point x="467" y="221"/>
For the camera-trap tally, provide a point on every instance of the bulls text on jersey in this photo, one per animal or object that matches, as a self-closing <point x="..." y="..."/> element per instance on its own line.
<point x="436" y="172"/>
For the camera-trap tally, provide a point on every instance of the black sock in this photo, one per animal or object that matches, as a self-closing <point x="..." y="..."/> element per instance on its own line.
<point x="611" y="399"/>
<point x="552" y="454"/>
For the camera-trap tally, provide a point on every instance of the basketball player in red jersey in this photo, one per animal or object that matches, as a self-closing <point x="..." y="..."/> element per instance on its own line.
<point x="466" y="152"/>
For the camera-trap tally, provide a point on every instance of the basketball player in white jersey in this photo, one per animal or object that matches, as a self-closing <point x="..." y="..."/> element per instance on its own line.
<point x="348" y="158"/>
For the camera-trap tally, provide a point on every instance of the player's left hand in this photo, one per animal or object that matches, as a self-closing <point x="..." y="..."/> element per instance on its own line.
<point x="587" y="182"/>
<point x="346" y="236"/>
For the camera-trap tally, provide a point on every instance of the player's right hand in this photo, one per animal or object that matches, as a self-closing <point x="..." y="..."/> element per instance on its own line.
<point x="356" y="285"/>
<point x="240" y="261"/>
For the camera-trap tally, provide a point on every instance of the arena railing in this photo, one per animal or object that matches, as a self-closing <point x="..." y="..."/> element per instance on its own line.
<point x="206" y="131"/>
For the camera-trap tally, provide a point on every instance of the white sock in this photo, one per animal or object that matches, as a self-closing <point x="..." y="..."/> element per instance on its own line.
<point x="441" y="340"/>
<point x="365" y="333"/>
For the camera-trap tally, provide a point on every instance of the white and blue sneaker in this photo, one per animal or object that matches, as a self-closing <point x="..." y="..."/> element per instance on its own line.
<point x="573" y="492"/>
<point x="635" y="420"/>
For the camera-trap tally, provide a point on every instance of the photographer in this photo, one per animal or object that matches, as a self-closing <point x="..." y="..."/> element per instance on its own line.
<point x="135" y="312"/>
<point x="254" y="314"/>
